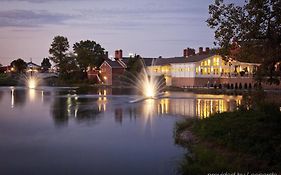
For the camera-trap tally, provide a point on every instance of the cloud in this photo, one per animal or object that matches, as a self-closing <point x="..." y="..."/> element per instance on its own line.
<point x="25" y="18"/>
<point x="40" y="1"/>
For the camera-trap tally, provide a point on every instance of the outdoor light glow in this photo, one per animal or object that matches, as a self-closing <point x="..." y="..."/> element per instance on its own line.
<point x="149" y="89"/>
<point x="150" y="85"/>
<point x="32" y="83"/>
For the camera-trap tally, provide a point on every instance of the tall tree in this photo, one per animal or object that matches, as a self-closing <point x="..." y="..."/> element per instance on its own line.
<point x="58" y="50"/>
<point x="88" y="53"/>
<point x="45" y="64"/>
<point x="254" y="30"/>
<point x="19" y="65"/>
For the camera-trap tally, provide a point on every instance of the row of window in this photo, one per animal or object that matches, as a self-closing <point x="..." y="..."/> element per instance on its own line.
<point x="216" y="62"/>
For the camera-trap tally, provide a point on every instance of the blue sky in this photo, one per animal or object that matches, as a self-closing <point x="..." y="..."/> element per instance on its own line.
<point x="147" y="27"/>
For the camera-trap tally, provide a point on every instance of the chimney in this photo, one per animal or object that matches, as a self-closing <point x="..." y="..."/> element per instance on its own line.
<point x="188" y="52"/>
<point x="118" y="54"/>
<point x="207" y="50"/>
<point x="185" y="53"/>
<point x="106" y="54"/>
<point x="201" y="51"/>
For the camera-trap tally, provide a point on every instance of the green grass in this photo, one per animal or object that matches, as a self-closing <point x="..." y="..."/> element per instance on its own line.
<point x="234" y="141"/>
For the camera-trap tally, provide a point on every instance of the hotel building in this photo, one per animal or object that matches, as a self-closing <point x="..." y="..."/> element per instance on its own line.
<point x="203" y="70"/>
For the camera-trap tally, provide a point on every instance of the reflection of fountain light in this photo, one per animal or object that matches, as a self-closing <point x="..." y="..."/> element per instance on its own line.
<point x="42" y="96"/>
<point x="32" y="94"/>
<point x="148" y="110"/>
<point x="32" y="82"/>
<point x="12" y="97"/>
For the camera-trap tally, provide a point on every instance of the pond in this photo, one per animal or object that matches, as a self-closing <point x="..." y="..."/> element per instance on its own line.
<point x="67" y="131"/>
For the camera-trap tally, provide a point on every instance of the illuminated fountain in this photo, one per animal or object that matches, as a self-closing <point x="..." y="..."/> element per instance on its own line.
<point x="32" y="82"/>
<point x="150" y="86"/>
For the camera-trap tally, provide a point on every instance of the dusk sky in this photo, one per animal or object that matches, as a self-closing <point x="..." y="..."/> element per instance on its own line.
<point x="149" y="28"/>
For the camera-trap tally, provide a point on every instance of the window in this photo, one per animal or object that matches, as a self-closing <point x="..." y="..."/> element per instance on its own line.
<point x="216" y="61"/>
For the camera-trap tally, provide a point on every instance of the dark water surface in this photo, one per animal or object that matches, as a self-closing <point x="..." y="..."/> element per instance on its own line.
<point x="59" y="131"/>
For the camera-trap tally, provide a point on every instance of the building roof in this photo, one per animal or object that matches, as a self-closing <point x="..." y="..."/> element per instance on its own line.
<point x="146" y="61"/>
<point x="113" y="64"/>
<point x="31" y="64"/>
<point x="174" y="60"/>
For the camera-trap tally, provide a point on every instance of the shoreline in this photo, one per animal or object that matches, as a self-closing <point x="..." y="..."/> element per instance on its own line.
<point x="167" y="88"/>
<point x="239" y="141"/>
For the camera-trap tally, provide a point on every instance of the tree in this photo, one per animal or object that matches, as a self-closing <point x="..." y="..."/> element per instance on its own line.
<point x="251" y="32"/>
<point x="58" y="50"/>
<point x="88" y="53"/>
<point x="19" y="65"/>
<point x="135" y="65"/>
<point x="45" y="64"/>
<point x="70" y="68"/>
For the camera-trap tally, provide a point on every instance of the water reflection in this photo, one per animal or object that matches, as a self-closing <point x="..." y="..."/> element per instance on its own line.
<point x="32" y="94"/>
<point x="18" y="97"/>
<point x="102" y="100"/>
<point x="67" y="104"/>
<point x="199" y="105"/>
<point x="80" y="109"/>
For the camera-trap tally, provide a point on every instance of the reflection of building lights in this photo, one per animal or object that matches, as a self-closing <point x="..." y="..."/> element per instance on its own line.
<point x="164" y="106"/>
<point x="102" y="100"/>
<point x="105" y="78"/>
<point x="68" y="102"/>
<point x="76" y="111"/>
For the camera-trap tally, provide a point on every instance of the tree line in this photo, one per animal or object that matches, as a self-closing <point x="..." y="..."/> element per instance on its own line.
<point x="85" y="54"/>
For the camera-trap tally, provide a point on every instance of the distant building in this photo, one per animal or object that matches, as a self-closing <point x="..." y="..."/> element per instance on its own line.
<point x="5" y="69"/>
<point x="110" y="71"/>
<point x="33" y="68"/>
<point x="93" y="74"/>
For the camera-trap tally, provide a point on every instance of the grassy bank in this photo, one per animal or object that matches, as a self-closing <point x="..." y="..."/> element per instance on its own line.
<point x="240" y="141"/>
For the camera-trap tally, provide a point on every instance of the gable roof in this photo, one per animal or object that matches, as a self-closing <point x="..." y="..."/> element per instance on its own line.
<point x="31" y="64"/>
